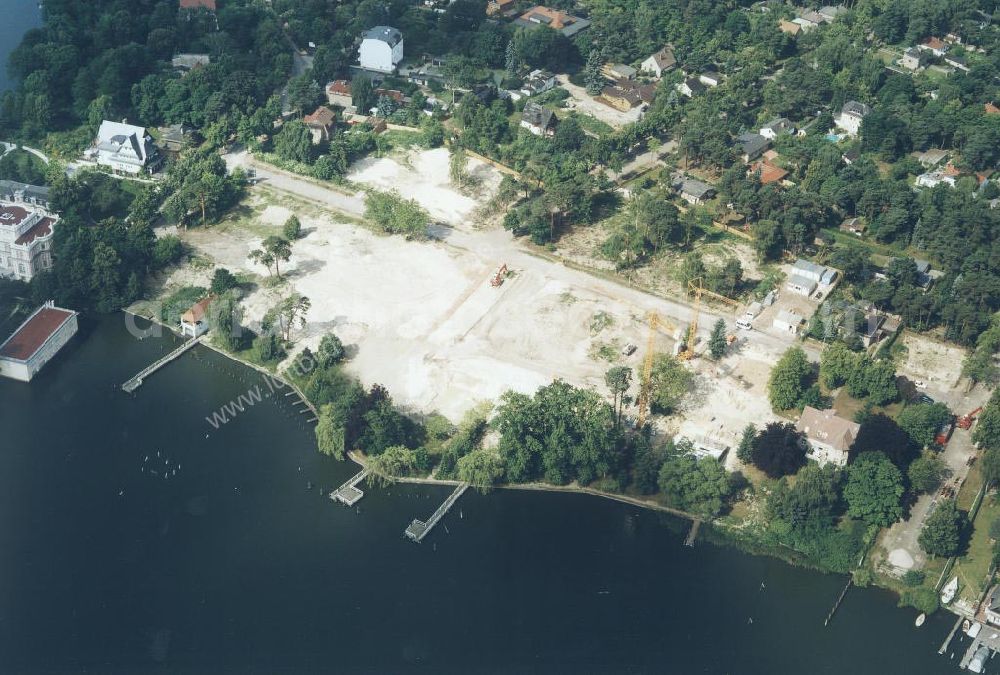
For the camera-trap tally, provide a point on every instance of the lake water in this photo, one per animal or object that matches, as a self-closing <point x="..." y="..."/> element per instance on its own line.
<point x="232" y="563"/>
<point x="16" y="18"/>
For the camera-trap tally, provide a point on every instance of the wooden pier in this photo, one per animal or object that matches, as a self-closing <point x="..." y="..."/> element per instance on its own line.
<point x="693" y="534"/>
<point x="418" y="529"/>
<point x="349" y="494"/>
<point x="840" y="599"/>
<point x="947" y="640"/>
<point x="136" y="381"/>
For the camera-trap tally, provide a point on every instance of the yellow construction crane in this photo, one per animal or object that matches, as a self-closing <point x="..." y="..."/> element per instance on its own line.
<point x="655" y="321"/>
<point x="695" y="288"/>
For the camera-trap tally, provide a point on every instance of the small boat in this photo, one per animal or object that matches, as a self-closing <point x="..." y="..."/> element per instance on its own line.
<point x="949" y="590"/>
<point x="920" y="620"/>
<point x="973" y="629"/>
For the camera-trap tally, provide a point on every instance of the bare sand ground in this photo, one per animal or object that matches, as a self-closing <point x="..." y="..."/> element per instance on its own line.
<point x="422" y="319"/>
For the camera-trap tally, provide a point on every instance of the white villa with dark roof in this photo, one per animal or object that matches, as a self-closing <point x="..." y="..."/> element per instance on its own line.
<point x="381" y="49"/>
<point x="850" y="117"/>
<point x="25" y="237"/>
<point x="125" y="148"/>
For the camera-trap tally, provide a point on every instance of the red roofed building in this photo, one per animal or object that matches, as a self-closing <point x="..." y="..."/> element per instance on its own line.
<point x="194" y="322"/>
<point x="768" y="173"/>
<point x="320" y="123"/>
<point x="198" y="4"/>
<point x="25" y="239"/>
<point x="338" y="93"/>
<point x="36" y="341"/>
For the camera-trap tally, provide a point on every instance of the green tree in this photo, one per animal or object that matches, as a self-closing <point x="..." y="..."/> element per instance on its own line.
<point x="458" y="165"/>
<point x="330" y="351"/>
<point x="279" y="250"/>
<point x="225" y="318"/>
<point x="987" y="431"/>
<point x="926" y="473"/>
<point x="922" y="421"/>
<point x="942" y="530"/>
<point x="874" y="489"/>
<point x="811" y="505"/>
<point x="330" y="436"/>
<point x="619" y="381"/>
<point x="292" y="229"/>
<point x="395" y="215"/>
<point x="836" y="364"/>
<point x="744" y="452"/>
<point x="482" y="468"/>
<point x="294" y="143"/>
<point x="222" y="280"/>
<point x="393" y="462"/>
<point x="669" y="383"/>
<point x="717" y="341"/>
<point x="592" y="77"/>
<point x="700" y="486"/>
<point x="287" y="312"/>
<point x="779" y="450"/>
<point x="790" y="378"/>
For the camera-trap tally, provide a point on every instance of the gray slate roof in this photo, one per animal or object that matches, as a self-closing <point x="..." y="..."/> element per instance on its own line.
<point x="387" y="34"/>
<point x="753" y="144"/>
<point x="536" y="115"/>
<point x="855" y="108"/>
<point x="9" y="189"/>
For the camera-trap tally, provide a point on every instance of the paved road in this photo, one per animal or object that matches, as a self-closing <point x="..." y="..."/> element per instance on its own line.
<point x="7" y="147"/>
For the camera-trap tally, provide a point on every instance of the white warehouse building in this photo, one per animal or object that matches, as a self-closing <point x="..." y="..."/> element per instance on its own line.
<point x="36" y="341"/>
<point x="381" y="49"/>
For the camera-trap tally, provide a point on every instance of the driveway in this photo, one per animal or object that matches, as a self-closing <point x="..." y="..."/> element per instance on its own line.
<point x="582" y="101"/>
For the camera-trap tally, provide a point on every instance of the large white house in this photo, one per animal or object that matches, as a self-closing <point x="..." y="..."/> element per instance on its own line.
<point x="125" y="148"/>
<point x="36" y="341"/>
<point x="381" y="49"/>
<point x="25" y="237"/>
<point x="830" y="436"/>
<point x="850" y="117"/>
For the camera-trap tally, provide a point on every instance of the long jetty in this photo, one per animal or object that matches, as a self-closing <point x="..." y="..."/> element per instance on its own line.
<point x="136" y="381"/>
<point x="418" y="529"/>
<point x="349" y="493"/>
<point x="840" y="599"/>
<point x="693" y="533"/>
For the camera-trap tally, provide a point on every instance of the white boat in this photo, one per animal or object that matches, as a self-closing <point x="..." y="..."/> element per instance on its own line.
<point x="949" y="590"/>
<point x="973" y="629"/>
<point x="920" y="620"/>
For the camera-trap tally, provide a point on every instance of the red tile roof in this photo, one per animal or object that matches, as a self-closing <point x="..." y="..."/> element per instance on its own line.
<point x="342" y="87"/>
<point x="934" y="43"/>
<point x="769" y="173"/>
<point x="12" y="216"/>
<point x="197" y="311"/>
<point x="198" y="4"/>
<point x="42" y="228"/>
<point x="322" y="116"/>
<point x="29" y="338"/>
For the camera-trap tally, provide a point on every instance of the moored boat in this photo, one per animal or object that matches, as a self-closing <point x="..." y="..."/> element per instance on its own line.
<point x="920" y="620"/>
<point x="949" y="590"/>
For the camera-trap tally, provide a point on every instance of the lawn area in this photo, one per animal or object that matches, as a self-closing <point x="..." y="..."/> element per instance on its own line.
<point x="846" y="406"/>
<point x="972" y="568"/>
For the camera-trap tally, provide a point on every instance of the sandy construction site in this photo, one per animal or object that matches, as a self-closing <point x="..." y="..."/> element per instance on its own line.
<point x="422" y="319"/>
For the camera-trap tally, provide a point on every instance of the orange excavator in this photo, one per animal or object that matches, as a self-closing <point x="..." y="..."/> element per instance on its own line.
<point x="966" y="421"/>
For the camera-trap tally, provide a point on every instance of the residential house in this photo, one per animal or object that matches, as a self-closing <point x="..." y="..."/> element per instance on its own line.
<point x="659" y="63"/>
<point x="557" y="20"/>
<point x="752" y="146"/>
<point x="809" y="20"/>
<point x="910" y="59"/>
<point x="173" y="137"/>
<point x="855" y="226"/>
<point x="991" y="109"/>
<point x="934" y="45"/>
<point x="851" y="156"/>
<point x="710" y="78"/>
<point x="499" y="7"/>
<point x="694" y="191"/>
<point x="776" y="127"/>
<point x="537" y="82"/>
<point x="381" y="49"/>
<point x="125" y="148"/>
<point x="188" y="62"/>
<point x="618" y="71"/>
<point x="194" y="321"/>
<point x="702" y="446"/>
<point x="787" y="322"/>
<point x="690" y="86"/>
<point x="877" y="325"/>
<point x="789" y="27"/>
<point x="850" y="117"/>
<point x="829" y="436"/>
<point x="538" y="119"/>
<point x="338" y="93"/>
<point x="194" y="5"/>
<point x="818" y="273"/>
<point x="36" y="341"/>
<point x="957" y="62"/>
<point x="620" y="97"/>
<point x="26" y="231"/>
<point x="22" y="193"/>
<point x="932" y="179"/>
<point x="320" y="124"/>
<point x="830" y="13"/>
<point x="991" y="607"/>
<point x="767" y="172"/>
<point x="931" y="158"/>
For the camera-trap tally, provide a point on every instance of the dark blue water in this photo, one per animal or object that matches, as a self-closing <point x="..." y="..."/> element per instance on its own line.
<point x="233" y="565"/>
<point x="16" y="18"/>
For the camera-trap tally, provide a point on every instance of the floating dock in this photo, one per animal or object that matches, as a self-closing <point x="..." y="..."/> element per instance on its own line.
<point x="137" y="380"/>
<point x="693" y="534"/>
<point x="418" y="529"/>
<point x="349" y="494"/>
